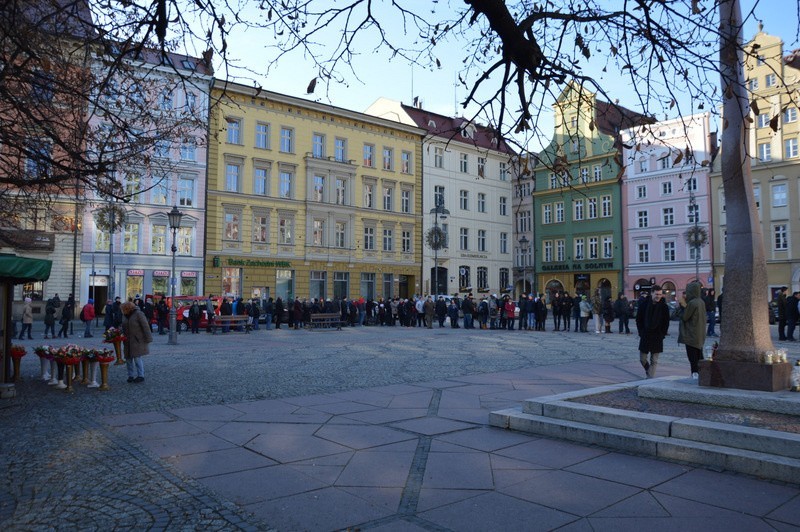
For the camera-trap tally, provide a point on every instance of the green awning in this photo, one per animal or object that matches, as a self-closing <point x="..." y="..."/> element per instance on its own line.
<point x="20" y="270"/>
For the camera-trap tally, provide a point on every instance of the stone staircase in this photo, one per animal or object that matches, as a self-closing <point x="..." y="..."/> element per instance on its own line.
<point x="759" y="452"/>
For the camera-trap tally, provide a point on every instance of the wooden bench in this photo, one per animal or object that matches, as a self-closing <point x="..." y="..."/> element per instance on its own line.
<point x="231" y="321"/>
<point x="325" y="321"/>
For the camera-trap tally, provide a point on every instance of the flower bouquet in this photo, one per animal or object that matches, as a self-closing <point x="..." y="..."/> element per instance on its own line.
<point x="43" y="351"/>
<point x="113" y="335"/>
<point x="17" y="351"/>
<point x="69" y="354"/>
<point x="104" y="356"/>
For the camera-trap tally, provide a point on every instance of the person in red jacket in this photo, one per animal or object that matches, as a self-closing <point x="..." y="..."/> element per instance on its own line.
<point x="87" y="315"/>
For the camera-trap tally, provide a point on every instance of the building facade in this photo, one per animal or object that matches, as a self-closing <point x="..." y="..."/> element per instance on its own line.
<point x="775" y="165"/>
<point x="577" y="208"/>
<point x="309" y="200"/>
<point x="467" y="177"/>
<point x="667" y="205"/>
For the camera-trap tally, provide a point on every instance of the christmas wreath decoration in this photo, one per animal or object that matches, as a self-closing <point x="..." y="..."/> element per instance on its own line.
<point x="436" y="238"/>
<point x="696" y="236"/>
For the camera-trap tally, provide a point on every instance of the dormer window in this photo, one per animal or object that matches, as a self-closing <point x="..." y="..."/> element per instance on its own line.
<point x="431" y="124"/>
<point x="187" y="64"/>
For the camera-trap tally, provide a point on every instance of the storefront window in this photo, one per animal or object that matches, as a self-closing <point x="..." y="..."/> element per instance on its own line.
<point x="367" y="285"/>
<point x="188" y="286"/>
<point x="316" y="286"/>
<point x="33" y="290"/>
<point x="284" y="284"/>
<point x="341" y="284"/>
<point x="160" y="286"/>
<point x="134" y="284"/>
<point x="232" y="281"/>
<point x="387" y="285"/>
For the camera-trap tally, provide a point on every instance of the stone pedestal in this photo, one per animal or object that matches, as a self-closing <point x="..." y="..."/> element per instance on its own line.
<point x="745" y="375"/>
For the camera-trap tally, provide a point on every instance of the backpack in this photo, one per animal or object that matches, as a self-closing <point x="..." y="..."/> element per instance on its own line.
<point x="81" y="317"/>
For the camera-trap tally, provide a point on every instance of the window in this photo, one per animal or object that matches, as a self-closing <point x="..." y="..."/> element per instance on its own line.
<point x="523" y="221"/>
<point x="666" y="188"/>
<point x="438" y="195"/>
<point x="369" y="238"/>
<point x="388" y="159"/>
<point x="642" y="219"/>
<point x="162" y="148"/>
<point x="367" y="288"/>
<point x="341" y="191"/>
<point x="547" y="213"/>
<point x="668" y="216"/>
<point x="548" y="251"/>
<point x="262" y="136"/>
<point x="341" y="284"/>
<point x="232" y="226"/>
<point x="464" y="163"/>
<point x="643" y="166"/>
<point x="693" y="214"/>
<point x="664" y="163"/>
<point x="317" y="284"/>
<point x="483" y="277"/>
<point x="503" y="172"/>
<point x="560" y="250"/>
<point x="790" y="148"/>
<point x="158" y="240"/>
<point x="318" y="191"/>
<point x="644" y="252"/>
<point x="593" y="247"/>
<point x="608" y="247"/>
<point x="464" y="277"/>
<point x="765" y="151"/>
<point x="763" y="120"/>
<point x="669" y="251"/>
<point x="285" y="184"/>
<point x="463" y="239"/>
<point x="580" y="249"/>
<point x="481" y="202"/>
<point x="340" y="149"/>
<point x="575" y="145"/>
<point x="760" y="60"/>
<point x="130" y="238"/>
<point x="287" y="140"/>
<point x="260" y="181"/>
<point x="340" y="235"/>
<point x="186" y="191"/>
<point x="438" y="157"/>
<point x="503" y="242"/>
<point x="779" y="195"/>
<point x="559" y="206"/>
<point x="405" y="162"/>
<point x="752" y="84"/>
<point x="780" y="237"/>
<point x="591" y="205"/>
<point x="318" y="232"/>
<point x="369" y="196"/>
<point x="553" y="181"/>
<point x="260" y="228"/>
<point x="388" y="198"/>
<point x="189" y="150"/>
<point x="406" y="236"/>
<point x="695" y="253"/>
<point x="605" y="205"/>
<point x="133" y="187"/>
<point x="757" y="196"/>
<point x="598" y="172"/>
<point x="790" y="115"/>
<point x="770" y="80"/>
<point x="584" y="175"/>
<point x="503" y="206"/>
<point x="405" y="201"/>
<point x="234" y="131"/>
<point x="388" y="243"/>
<point x="577" y="210"/>
<point x="232" y="172"/>
<point x="691" y="184"/>
<point x="369" y="155"/>
<point x="641" y="192"/>
<point x="482" y="166"/>
<point x="504" y="277"/>
<point x="318" y="146"/>
<point x="191" y="101"/>
<point x="159" y="192"/>
<point x="481" y="239"/>
<point x="463" y="200"/>
<point x="285" y="229"/>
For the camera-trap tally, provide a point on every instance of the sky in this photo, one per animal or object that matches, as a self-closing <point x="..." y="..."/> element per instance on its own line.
<point x="380" y="76"/>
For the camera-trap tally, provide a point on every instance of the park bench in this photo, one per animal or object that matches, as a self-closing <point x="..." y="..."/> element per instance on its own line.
<point x="325" y="321"/>
<point x="232" y="321"/>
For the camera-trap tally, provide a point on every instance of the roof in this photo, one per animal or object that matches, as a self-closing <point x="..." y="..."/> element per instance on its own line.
<point x="451" y="127"/>
<point x="59" y="17"/>
<point x="612" y="118"/>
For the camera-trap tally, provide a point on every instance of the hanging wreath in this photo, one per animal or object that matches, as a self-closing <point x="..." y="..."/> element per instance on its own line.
<point x="110" y="218"/>
<point x="696" y="236"/>
<point x="436" y="238"/>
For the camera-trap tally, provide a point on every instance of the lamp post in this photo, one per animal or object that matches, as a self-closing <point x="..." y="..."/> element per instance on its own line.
<point x="174" y="223"/>
<point x="523" y="245"/>
<point x="436" y="240"/>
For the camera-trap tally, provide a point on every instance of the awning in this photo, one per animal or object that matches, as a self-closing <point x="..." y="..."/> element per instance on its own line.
<point x="20" y="270"/>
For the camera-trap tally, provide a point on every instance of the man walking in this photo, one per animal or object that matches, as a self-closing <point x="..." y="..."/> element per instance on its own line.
<point x="711" y="315"/>
<point x="652" y="322"/>
<point x="782" y="313"/>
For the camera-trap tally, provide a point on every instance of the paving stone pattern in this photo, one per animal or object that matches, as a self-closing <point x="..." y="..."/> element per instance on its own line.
<point x="369" y="428"/>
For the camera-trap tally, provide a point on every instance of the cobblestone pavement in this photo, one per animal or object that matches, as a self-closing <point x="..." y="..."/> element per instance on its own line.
<point x="66" y="469"/>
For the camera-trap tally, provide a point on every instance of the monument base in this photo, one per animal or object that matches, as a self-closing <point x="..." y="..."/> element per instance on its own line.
<point x="745" y="375"/>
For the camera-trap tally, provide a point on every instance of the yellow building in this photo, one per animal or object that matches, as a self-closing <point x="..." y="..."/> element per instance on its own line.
<point x="774" y="149"/>
<point x="310" y="200"/>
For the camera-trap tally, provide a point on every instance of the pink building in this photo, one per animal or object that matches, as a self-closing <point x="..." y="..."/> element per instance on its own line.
<point x="667" y="213"/>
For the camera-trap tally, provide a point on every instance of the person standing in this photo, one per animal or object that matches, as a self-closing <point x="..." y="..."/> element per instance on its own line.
<point x="50" y="319"/>
<point x="440" y="309"/>
<point x="429" y="310"/>
<point x="608" y="314"/>
<point x="597" y="311"/>
<point x="452" y="312"/>
<point x="163" y="314"/>
<point x="710" y="303"/>
<point x="585" y="310"/>
<point x="692" y="326"/>
<point x="194" y="317"/>
<point x="621" y="312"/>
<point x="792" y="315"/>
<point x="782" y="313"/>
<point x="87" y="315"/>
<point x="652" y="321"/>
<point x="566" y="310"/>
<point x="137" y="340"/>
<point x="509" y="310"/>
<point x="468" y="309"/>
<point x="555" y="308"/>
<point x="269" y="309"/>
<point x="27" y="319"/>
<point x="523" y="313"/>
<point x="66" y="317"/>
<point x="576" y="312"/>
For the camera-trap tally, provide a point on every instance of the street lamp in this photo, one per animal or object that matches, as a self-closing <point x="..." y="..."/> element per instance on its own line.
<point x="436" y="241"/>
<point x="174" y="223"/>
<point x="523" y="244"/>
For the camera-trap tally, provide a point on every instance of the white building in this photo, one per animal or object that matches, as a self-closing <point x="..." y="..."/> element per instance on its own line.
<point x="467" y="195"/>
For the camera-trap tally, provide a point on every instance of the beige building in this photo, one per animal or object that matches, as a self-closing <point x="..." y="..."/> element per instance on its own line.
<point x="774" y="151"/>
<point x="310" y="200"/>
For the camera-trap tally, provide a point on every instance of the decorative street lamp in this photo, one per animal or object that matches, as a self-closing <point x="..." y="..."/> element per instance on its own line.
<point x="174" y="223"/>
<point x="696" y="236"/>
<point x="437" y="239"/>
<point x="523" y="244"/>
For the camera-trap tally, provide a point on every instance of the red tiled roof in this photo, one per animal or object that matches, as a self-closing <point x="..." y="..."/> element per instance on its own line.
<point x="450" y="128"/>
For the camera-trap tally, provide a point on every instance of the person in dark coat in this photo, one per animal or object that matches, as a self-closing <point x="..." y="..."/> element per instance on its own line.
<point x="278" y="312"/>
<point x="297" y="313"/>
<point x="441" y="310"/>
<point x="452" y="312"/>
<point x="653" y="324"/>
<point x="576" y="311"/>
<point x="608" y="313"/>
<point x="621" y="313"/>
<point x="225" y="309"/>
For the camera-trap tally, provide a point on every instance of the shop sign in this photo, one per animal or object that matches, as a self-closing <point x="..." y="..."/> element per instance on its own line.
<point x="136" y="273"/>
<point x="161" y="273"/>
<point x="188" y="274"/>
<point x="259" y="263"/>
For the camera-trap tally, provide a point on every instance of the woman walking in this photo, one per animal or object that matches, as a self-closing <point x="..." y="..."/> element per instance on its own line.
<point x="137" y="342"/>
<point x="692" y="327"/>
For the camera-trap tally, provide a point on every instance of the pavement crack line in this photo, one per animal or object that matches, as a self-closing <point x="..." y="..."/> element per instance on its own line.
<point x="416" y="474"/>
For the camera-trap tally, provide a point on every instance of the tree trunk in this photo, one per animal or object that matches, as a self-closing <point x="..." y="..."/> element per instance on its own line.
<point x="744" y="309"/>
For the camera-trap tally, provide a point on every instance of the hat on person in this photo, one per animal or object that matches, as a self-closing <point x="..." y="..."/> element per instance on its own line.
<point x="90" y="301"/>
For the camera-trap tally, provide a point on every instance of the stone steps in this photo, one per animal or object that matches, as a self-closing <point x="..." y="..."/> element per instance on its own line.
<point x="758" y="452"/>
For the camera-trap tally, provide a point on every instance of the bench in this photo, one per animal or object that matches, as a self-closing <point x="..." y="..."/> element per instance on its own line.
<point x="231" y="321"/>
<point x="325" y="321"/>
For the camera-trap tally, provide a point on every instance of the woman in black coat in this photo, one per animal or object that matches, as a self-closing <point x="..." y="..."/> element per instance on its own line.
<point x="608" y="313"/>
